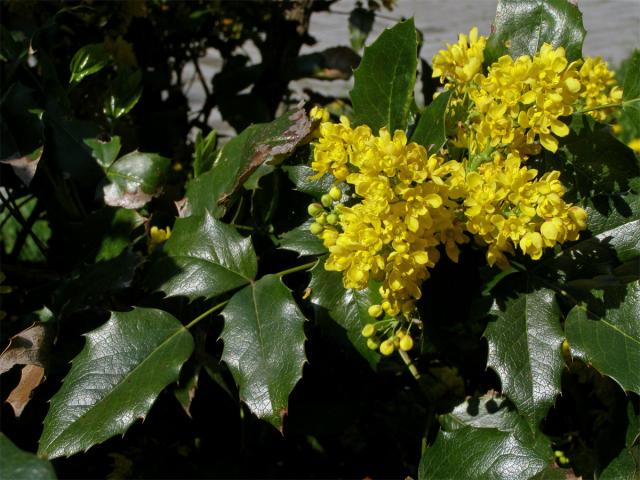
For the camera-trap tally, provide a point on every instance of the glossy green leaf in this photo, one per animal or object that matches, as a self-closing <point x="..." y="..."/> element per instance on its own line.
<point x="114" y="380"/>
<point x="135" y="179"/>
<point x="205" y="258"/>
<point x="384" y="81"/>
<point x="610" y="342"/>
<point x="264" y="346"/>
<point x="88" y="60"/>
<point x="486" y="438"/>
<point x="125" y="92"/>
<point x="521" y="27"/>
<point x="430" y="131"/>
<point x="525" y="350"/>
<point x="16" y="464"/>
<point x="104" y="151"/>
<point x="301" y="240"/>
<point x="301" y="175"/>
<point x="596" y="162"/>
<point x="347" y="307"/>
<point x="258" y="145"/>
<point x="204" y="152"/>
<point x="610" y="212"/>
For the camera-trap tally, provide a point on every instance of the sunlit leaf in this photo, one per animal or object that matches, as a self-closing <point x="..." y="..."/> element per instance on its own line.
<point x="114" y="380"/>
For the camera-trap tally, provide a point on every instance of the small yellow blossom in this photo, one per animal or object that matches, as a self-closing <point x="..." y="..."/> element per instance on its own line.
<point x="157" y="236"/>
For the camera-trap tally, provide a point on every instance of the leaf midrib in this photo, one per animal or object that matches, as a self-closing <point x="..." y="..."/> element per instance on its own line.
<point x="118" y="385"/>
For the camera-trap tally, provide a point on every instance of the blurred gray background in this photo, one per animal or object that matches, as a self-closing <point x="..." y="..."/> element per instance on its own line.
<point x="613" y="31"/>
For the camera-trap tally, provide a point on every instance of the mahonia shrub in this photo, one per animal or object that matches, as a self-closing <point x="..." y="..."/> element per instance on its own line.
<point x="363" y="288"/>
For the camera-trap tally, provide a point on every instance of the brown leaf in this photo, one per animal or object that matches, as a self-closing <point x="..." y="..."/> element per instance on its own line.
<point x="30" y="378"/>
<point x="284" y="144"/>
<point x="29" y="347"/>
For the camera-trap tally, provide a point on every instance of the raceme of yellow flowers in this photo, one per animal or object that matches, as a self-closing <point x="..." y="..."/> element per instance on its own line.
<point x="393" y="205"/>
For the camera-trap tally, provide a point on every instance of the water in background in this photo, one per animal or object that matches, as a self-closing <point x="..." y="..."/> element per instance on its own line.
<point x="613" y="31"/>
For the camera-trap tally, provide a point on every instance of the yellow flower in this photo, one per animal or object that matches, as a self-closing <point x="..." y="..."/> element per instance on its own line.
<point x="157" y="236"/>
<point x="635" y="145"/>
<point x="598" y="87"/>
<point x="460" y="62"/>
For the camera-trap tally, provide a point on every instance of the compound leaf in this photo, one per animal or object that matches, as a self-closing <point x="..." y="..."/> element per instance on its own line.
<point x="384" y="81"/>
<point x="264" y="346"/>
<point x="525" y="349"/>
<point x="114" y="380"/>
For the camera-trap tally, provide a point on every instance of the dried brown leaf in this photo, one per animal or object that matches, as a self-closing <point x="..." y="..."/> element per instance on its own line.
<point x="30" y="378"/>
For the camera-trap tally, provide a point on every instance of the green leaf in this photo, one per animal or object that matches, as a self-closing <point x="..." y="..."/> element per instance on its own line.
<point x="264" y="346"/>
<point x="16" y="464"/>
<point x="258" y="145"/>
<point x="301" y="240"/>
<point x="114" y="380"/>
<point x="612" y="211"/>
<point x="135" y="179"/>
<point x="522" y="26"/>
<point x="205" y="258"/>
<point x="611" y="341"/>
<point x="485" y="437"/>
<point x="204" y="152"/>
<point x="301" y="175"/>
<point x="88" y="60"/>
<point x="525" y="350"/>
<point x="383" y="83"/>
<point x="126" y="90"/>
<point x="347" y="307"/>
<point x="631" y="92"/>
<point x="105" y="152"/>
<point x="626" y="466"/>
<point x="596" y="162"/>
<point x="430" y="131"/>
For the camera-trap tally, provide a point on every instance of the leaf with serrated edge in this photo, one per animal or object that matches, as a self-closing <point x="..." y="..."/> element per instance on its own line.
<point x="347" y="307"/>
<point x="16" y="464"/>
<point x="264" y="346"/>
<point x="525" y="349"/>
<point x="302" y="241"/>
<point x="475" y="453"/>
<point x="522" y="26"/>
<point x="114" y="380"/>
<point x="384" y="81"/>
<point x="206" y="257"/>
<point x="612" y="343"/>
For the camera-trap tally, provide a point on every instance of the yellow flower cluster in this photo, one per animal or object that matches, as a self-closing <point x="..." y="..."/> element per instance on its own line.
<point x="599" y="86"/>
<point x="519" y="103"/>
<point x="507" y="207"/>
<point x="405" y="207"/>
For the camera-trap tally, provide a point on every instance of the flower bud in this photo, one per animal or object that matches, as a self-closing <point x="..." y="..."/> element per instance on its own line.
<point x="315" y="209"/>
<point x="335" y="193"/>
<point x="375" y="311"/>
<point x="368" y="330"/>
<point x="332" y="219"/>
<point x="326" y="200"/>
<point x="316" y="228"/>
<point x="373" y="343"/>
<point x="386" y="347"/>
<point x="406" y="343"/>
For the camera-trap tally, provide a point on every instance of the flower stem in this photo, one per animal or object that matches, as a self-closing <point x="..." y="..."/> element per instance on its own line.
<point x="206" y="314"/>
<point x="608" y="105"/>
<point x="407" y="360"/>
<point x="299" y="268"/>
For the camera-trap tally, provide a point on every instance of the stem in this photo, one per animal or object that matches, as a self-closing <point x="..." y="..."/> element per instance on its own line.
<point x="299" y="268"/>
<point x="205" y="314"/>
<point x="407" y="360"/>
<point x="608" y="105"/>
